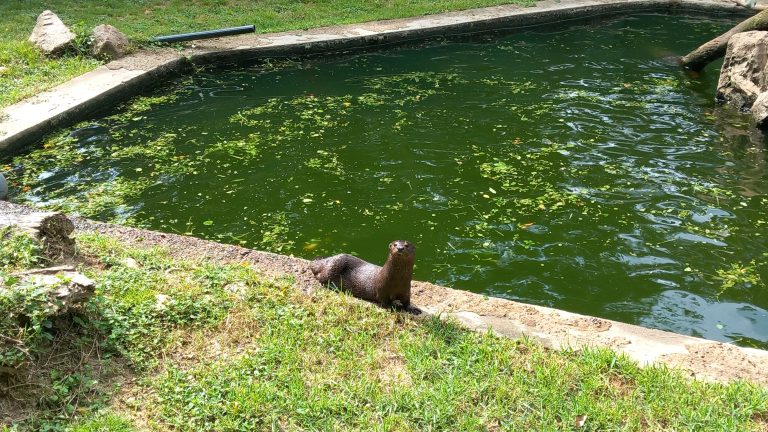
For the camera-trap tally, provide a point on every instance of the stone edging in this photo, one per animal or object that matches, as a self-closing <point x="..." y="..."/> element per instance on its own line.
<point x="28" y="121"/>
<point x="557" y="329"/>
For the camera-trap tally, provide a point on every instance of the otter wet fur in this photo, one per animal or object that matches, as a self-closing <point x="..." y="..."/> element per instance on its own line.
<point x="382" y="285"/>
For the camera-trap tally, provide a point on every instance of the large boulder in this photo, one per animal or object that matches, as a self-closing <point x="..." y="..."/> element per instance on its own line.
<point x="744" y="78"/>
<point x="108" y="42"/>
<point x="51" y="35"/>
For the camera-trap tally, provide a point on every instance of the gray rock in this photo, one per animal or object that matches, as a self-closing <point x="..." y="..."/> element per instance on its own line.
<point x="743" y="75"/>
<point x="760" y="110"/>
<point x="3" y="187"/>
<point x="108" y="42"/>
<point x="50" y="34"/>
<point x="65" y="287"/>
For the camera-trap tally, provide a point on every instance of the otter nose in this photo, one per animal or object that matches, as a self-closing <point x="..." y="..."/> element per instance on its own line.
<point x="400" y="247"/>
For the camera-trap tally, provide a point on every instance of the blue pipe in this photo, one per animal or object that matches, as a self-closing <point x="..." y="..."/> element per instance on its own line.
<point x="205" y="34"/>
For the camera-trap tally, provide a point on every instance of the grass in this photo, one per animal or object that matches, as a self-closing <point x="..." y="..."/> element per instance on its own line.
<point x="187" y="346"/>
<point x="29" y="73"/>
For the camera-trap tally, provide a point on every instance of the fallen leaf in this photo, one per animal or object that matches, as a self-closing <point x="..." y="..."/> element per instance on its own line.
<point x="579" y="420"/>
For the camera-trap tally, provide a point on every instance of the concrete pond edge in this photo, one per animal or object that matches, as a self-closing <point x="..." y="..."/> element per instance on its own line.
<point x="27" y="122"/>
<point x="556" y="329"/>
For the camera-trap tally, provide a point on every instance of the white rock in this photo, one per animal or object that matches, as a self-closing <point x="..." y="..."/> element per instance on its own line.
<point x="239" y="289"/>
<point x="130" y="263"/>
<point x="161" y="300"/>
<point x="50" y="34"/>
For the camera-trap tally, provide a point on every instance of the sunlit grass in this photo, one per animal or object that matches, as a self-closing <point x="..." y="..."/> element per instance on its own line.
<point x="221" y="347"/>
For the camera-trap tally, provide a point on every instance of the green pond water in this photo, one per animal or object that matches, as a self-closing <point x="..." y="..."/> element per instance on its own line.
<point x="577" y="168"/>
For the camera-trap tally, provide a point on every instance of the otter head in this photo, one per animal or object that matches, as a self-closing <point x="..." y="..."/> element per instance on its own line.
<point x="402" y="248"/>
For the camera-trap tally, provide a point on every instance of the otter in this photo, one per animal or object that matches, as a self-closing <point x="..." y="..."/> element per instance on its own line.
<point x="382" y="285"/>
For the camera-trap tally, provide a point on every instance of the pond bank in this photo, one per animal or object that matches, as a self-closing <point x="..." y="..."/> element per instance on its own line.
<point x="28" y="121"/>
<point x="557" y="329"/>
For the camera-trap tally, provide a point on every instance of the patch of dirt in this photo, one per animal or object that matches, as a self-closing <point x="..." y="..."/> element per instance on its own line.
<point x="589" y="323"/>
<point x="624" y="386"/>
<point x="71" y="352"/>
<point x="234" y="337"/>
<point x="391" y="367"/>
<point x="195" y="249"/>
<point x="145" y="59"/>
<point x="131" y="402"/>
<point x="722" y="362"/>
<point x="761" y="419"/>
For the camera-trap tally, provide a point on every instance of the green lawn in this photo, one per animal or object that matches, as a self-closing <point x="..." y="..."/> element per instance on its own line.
<point x="29" y="73"/>
<point x="226" y="349"/>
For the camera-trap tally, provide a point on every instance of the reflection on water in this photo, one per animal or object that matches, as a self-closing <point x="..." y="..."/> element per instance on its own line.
<point x="686" y="313"/>
<point x="577" y="169"/>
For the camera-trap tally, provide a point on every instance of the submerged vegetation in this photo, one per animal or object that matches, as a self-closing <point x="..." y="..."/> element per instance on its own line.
<point x="523" y="181"/>
<point x="520" y="183"/>
<point x="177" y="345"/>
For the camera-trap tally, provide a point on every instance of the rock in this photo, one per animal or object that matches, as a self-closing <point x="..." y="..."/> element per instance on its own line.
<point x="52" y="229"/>
<point x="65" y="287"/>
<point x="161" y="301"/>
<point x="760" y="110"/>
<point x="108" y="42"/>
<point x="130" y="263"/>
<point x="3" y="187"/>
<point x="238" y="289"/>
<point x="743" y="76"/>
<point x="51" y="35"/>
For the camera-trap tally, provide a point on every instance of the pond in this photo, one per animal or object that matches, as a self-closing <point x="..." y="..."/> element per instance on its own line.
<point x="577" y="168"/>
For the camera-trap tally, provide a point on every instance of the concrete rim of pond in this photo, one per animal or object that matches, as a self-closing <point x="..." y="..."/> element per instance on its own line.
<point x="28" y="121"/>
